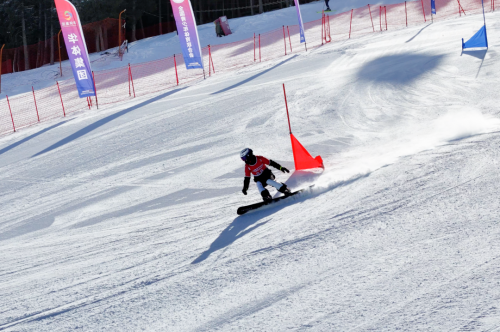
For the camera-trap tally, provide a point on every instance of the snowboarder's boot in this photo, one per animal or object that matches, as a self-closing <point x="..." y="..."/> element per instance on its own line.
<point x="328" y="10"/>
<point x="266" y="196"/>
<point x="284" y="189"/>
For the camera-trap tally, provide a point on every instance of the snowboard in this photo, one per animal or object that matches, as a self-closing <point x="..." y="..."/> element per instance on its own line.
<point x="327" y="11"/>
<point x="244" y="209"/>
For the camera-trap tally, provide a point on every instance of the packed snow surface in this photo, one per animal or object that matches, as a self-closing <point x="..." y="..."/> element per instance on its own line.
<point x="124" y="219"/>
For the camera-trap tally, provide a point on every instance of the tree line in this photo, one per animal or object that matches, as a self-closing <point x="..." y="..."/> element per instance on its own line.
<point x="28" y="22"/>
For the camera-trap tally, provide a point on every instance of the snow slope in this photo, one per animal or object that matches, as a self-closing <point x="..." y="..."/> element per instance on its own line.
<point x="160" y="47"/>
<point x="125" y="219"/>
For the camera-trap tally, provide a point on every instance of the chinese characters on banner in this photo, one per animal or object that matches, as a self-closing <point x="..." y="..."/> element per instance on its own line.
<point x="301" y="25"/>
<point x="77" y="49"/>
<point x="188" y="33"/>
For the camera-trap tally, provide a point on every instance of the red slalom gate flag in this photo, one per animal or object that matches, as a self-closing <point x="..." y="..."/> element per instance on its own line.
<point x="302" y="158"/>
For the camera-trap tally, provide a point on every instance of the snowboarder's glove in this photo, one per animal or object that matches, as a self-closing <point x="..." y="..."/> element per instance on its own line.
<point x="284" y="169"/>
<point x="246" y="183"/>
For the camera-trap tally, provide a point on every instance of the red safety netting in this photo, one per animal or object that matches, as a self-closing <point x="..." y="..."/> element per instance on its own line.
<point x="49" y="103"/>
<point x="6" y="125"/>
<point x="235" y="55"/>
<point x="130" y="81"/>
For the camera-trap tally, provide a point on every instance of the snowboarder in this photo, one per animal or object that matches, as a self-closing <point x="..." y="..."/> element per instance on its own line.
<point x="263" y="176"/>
<point x="327" y="6"/>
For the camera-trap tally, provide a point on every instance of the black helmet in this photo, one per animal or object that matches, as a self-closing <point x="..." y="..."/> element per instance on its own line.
<point x="245" y="154"/>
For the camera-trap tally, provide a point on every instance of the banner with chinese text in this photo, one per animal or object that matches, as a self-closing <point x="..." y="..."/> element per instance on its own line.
<point x="76" y="46"/>
<point x="188" y="33"/>
<point x="301" y="25"/>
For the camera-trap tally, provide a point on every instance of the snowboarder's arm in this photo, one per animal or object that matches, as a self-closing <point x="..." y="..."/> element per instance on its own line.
<point x="246" y="183"/>
<point x="278" y="166"/>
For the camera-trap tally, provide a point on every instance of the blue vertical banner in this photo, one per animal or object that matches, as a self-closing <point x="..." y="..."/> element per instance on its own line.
<point x="433" y="6"/>
<point x="77" y="48"/>
<point x="188" y="33"/>
<point x="301" y="25"/>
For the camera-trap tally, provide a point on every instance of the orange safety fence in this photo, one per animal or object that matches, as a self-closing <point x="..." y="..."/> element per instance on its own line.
<point x="130" y="81"/>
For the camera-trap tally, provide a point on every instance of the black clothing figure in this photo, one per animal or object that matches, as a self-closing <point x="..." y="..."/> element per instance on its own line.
<point x="327" y="6"/>
<point x="218" y="28"/>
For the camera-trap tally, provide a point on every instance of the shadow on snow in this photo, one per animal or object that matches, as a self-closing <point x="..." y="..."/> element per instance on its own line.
<point x="104" y="121"/>
<point x="399" y="69"/>
<point x="249" y="222"/>
<point x="13" y="145"/>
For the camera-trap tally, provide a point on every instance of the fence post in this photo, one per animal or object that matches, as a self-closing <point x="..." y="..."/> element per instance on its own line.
<point x="129" y="89"/>
<point x="284" y="38"/>
<point x="423" y="10"/>
<point x="36" y="107"/>
<point x="373" y="27"/>
<point x="350" y="24"/>
<point x="210" y="59"/>
<point x="460" y="8"/>
<point x="95" y="89"/>
<point x="176" y="75"/>
<point x="10" y="110"/>
<point x="131" y="79"/>
<point x="329" y="33"/>
<point x="60" y="96"/>
<point x="385" y="11"/>
<point x="323" y="31"/>
<point x="406" y="14"/>
<point x="209" y="67"/>
<point x="380" y="16"/>
<point x="254" y="59"/>
<point x="260" y="55"/>
<point x="289" y="39"/>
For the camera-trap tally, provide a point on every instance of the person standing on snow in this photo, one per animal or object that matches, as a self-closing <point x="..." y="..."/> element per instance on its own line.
<point x="263" y="176"/>
<point x="327" y="6"/>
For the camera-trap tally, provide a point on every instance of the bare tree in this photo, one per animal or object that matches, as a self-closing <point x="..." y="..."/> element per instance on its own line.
<point x="25" y="41"/>
<point x="52" y="34"/>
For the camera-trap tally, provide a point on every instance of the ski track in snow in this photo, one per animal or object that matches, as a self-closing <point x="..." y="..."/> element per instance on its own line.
<point x="125" y="219"/>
